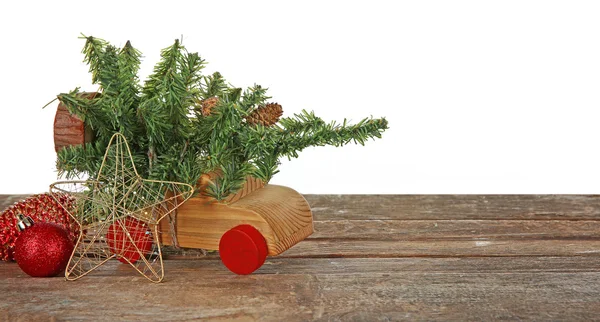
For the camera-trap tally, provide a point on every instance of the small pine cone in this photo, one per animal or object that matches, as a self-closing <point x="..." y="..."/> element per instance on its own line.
<point x="208" y="105"/>
<point x="266" y="115"/>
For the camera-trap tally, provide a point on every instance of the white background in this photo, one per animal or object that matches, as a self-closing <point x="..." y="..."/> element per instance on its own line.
<point x="481" y="96"/>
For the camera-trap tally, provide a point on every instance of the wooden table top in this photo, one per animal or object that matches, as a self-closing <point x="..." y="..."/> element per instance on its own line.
<point x="372" y="257"/>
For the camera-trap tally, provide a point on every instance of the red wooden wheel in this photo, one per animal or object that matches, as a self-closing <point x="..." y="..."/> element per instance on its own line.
<point x="243" y="249"/>
<point x="259" y="241"/>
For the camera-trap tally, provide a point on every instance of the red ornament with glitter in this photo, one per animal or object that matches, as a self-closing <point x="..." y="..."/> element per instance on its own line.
<point x="40" y="208"/>
<point x="42" y="249"/>
<point x="120" y="236"/>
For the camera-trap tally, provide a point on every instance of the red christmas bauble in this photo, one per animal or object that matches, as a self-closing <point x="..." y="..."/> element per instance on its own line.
<point x="120" y="243"/>
<point x="43" y="250"/>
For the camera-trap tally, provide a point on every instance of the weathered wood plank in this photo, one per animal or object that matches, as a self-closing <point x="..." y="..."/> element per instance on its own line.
<point x="439" y="237"/>
<point x="210" y="265"/>
<point x="282" y="266"/>
<point x="420" y="207"/>
<point x="500" y="265"/>
<point x="408" y="238"/>
<point x="334" y="238"/>
<point x="442" y="248"/>
<point x="439" y="207"/>
<point x="455" y="229"/>
<point x="392" y="295"/>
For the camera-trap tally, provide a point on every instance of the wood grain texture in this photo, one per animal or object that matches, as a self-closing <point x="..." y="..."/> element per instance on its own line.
<point x="453" y="230"/>
<point x="281" y="215"/>
<point x="479" y="207"/>
<point x="252" y="184"/>
<point x="284" y="210"/>
<point x="506" y="248"/>
<point x="371" y="258"/>
<point x="201" y="222"/>
<point x="69" y="130"/>
<point x="393" y="289"/>
<point x="249" y="186"/>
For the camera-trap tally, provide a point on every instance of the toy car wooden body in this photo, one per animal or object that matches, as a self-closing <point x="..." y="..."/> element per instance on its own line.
<point x="259" y="220"/>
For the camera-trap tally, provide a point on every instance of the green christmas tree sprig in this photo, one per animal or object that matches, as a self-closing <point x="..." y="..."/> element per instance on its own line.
<point x="174" y="137"/>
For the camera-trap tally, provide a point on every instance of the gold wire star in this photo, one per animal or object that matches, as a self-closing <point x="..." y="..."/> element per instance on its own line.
<point x="119" y="213"/>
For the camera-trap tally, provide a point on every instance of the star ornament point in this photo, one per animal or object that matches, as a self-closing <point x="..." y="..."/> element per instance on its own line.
<point x="119" y="214"/>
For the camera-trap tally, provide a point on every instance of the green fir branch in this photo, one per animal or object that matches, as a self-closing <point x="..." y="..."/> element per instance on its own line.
<point x="306" y="130"/>
<point x="129" y="65"/>
<point x="94" y="55"/>
<point x="169" y="136"/>
<point x="233" y="176"/>
<point x="214" y="85"/>
<point x="108" y="73"/>
<point x="253" y="97"/>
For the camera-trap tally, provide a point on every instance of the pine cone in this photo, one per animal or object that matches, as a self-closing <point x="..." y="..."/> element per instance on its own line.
<point x="266" y="115"/>
<point x="208" y="105"/>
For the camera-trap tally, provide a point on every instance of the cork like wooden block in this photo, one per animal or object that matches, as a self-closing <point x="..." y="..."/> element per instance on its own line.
<point x="69" y="130"/>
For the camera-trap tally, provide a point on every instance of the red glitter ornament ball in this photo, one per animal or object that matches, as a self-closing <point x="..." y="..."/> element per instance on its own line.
<point x="43" y="250"/>
<point x="121" y="244"/>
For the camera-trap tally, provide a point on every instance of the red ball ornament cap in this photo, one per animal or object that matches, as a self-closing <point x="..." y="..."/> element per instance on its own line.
<point x="24" y="222"/>
<point x="243" y="249"/>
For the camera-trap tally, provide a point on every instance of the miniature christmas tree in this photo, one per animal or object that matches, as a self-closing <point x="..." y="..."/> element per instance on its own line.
<point x="182" y="124"/>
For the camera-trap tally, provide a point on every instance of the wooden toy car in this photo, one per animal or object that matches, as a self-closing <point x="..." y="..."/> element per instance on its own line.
<point x="259" y="220"/>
